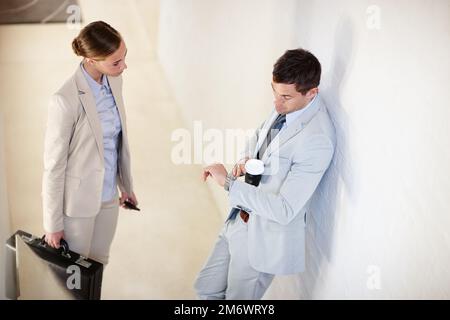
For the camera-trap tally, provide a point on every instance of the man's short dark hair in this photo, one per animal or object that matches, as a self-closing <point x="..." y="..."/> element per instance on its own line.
<point x="299" y="67"/>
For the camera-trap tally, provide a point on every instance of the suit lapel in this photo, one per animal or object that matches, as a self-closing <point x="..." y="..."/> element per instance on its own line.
<point x="117" y="93"/>
<point x="263" y="132"/>
<point x="294" y="128"/>
<point x="88" y="102"/>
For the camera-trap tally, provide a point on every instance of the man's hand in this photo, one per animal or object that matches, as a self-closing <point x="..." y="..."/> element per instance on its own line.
<point x="130" y="197"/>
<point x="217" y="172"/>
<point x="54" y="238"/>
<point x="239" y="167"/>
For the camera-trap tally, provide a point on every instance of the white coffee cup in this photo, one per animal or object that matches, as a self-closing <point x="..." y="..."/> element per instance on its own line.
<point x="254" y="169"/>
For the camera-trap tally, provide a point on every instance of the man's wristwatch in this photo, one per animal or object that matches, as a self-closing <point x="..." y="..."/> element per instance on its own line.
<point x="229" y="179"/>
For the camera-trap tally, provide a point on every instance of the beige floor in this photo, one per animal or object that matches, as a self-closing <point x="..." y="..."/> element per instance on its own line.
<point x="156" y="253"/>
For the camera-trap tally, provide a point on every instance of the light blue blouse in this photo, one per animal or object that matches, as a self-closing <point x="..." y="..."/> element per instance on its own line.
<point x="110" y="121"/>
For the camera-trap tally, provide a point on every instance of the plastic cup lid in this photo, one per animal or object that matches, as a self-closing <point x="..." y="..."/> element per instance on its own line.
<point x="254" y="166"/>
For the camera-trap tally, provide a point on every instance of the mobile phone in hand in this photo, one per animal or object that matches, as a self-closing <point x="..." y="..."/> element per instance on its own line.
<point x="130" y="205"/>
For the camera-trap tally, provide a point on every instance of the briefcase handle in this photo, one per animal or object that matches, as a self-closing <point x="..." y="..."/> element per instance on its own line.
<point x="63" y="244"/>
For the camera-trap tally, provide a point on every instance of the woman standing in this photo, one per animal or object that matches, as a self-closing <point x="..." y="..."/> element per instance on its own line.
<point x="86" y="152"/>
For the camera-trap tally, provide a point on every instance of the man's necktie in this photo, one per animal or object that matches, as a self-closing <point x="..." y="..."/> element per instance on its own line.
<point x="273" y="131"/>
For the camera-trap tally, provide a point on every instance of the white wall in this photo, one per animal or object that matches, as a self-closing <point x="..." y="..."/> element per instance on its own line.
<point x="218" y="57"/>
<point x="378" y="226"/>
<point x="4" y="212"/>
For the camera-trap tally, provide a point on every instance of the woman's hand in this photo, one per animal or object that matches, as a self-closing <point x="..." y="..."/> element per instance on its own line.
<point x="54" y="238"/>
<point x="130" y="197"/>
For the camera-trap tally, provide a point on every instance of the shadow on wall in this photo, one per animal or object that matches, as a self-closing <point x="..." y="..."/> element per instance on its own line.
<point x="322" y="217"/>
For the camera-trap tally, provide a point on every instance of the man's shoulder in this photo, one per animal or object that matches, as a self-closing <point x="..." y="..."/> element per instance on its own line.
<point x="321" y="124"/>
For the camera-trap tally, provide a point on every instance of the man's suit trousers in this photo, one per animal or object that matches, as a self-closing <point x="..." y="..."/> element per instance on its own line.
<point x="227" y="273"/>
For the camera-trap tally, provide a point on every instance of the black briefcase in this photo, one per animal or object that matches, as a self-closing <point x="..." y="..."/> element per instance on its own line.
<point x="37" y="271"/>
